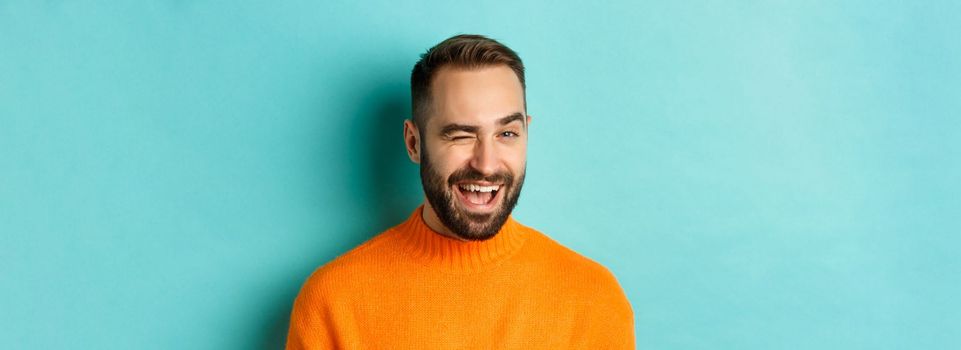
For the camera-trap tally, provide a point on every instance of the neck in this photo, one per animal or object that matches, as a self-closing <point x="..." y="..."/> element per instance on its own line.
<point x="433" y="221"/>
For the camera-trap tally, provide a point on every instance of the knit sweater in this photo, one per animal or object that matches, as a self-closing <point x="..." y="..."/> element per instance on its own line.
<point x="413" y="288"/>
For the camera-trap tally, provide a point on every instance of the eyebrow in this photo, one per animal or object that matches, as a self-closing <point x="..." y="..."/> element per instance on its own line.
<point x="511" y="118"/>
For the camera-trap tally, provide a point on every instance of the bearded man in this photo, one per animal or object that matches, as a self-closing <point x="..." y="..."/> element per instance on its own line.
<point x="460" y="272"/>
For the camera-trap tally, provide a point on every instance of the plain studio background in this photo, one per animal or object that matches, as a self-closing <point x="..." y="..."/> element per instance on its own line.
<point x="758" y="175"/>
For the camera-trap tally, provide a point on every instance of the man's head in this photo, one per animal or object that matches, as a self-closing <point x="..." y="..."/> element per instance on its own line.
<point x="469" y="134"/>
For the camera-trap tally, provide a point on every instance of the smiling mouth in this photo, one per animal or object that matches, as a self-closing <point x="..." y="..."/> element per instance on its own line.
<point x="478" y="196"/>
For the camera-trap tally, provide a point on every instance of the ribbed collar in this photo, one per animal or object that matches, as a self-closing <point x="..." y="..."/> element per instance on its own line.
<point x="436" y="250"/>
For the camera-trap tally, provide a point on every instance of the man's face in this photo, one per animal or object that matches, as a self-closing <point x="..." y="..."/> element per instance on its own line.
<point x="474" y="149"/>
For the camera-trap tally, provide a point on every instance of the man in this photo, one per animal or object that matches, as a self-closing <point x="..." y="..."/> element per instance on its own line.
<point x="460" y="273"/>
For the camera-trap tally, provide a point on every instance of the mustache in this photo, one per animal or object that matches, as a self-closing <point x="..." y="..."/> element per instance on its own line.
<point x="471" y="174"/>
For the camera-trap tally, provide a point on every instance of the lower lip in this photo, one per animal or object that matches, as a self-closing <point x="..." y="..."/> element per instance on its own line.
<point x="487" y="207"/>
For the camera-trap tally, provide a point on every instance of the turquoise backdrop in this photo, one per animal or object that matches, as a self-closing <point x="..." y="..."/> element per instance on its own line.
<point x="758" y="175"/>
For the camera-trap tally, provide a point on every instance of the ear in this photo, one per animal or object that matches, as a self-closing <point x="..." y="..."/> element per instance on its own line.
<point x="528" y="120"/>
<point x="412" y="141"/>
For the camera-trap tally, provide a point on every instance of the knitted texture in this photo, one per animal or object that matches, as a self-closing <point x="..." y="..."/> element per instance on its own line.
<point x="412" y="288"/>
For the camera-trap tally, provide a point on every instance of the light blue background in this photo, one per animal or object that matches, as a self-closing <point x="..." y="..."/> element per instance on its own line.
<point x="758" y="175"/>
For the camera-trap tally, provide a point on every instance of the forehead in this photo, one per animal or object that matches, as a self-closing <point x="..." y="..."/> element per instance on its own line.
<point x="475" y="96"/>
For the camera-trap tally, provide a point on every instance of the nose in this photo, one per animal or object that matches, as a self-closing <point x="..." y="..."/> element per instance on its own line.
<point x="484" y="159"/>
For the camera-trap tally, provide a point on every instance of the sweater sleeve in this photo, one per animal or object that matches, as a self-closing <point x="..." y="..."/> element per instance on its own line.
<point x="323" y="316"/>
<point x="308" y="329"/>
<point x="617" y="318"/>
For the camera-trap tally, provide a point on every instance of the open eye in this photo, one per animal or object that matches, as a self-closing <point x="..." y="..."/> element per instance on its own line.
<point x="509" y="134"/>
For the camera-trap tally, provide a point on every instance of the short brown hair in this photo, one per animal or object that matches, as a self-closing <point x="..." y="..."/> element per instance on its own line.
<point x="467" y="51"/>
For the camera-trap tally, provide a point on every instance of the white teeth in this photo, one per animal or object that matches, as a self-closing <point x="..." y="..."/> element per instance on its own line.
<point x="479" y="188"/>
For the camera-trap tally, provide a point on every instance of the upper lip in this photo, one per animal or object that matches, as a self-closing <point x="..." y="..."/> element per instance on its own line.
<point x="479" y="183"/>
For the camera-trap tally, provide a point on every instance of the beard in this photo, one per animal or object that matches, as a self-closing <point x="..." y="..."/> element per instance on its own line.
<point x="464" y="224"/>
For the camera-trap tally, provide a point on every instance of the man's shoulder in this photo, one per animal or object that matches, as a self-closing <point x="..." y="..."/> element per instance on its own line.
<point x="570" y="263"/>
<point x="582" y="280"/>
<point x="585" y="285"/>
<point x="363" y="258"/>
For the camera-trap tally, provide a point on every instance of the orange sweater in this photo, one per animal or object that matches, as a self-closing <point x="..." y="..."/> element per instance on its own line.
<point x="412" y="288"/>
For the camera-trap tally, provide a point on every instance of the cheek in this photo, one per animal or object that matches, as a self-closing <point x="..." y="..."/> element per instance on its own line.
<point x="518" y="165"/>
<point x="516" y="158"/>
<point x="448" y="161"/>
